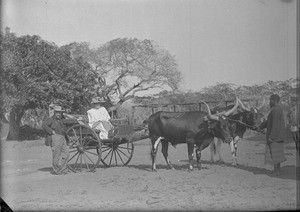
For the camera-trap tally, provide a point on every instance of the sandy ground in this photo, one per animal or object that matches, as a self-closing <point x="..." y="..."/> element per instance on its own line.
<point x="26" y="182"/>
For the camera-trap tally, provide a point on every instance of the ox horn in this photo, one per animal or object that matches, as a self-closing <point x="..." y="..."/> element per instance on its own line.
<point x="210" y="116"/>
<point x="227" y="113"/>
<point x="262" y="104"/>
<point x="243" y="106"/>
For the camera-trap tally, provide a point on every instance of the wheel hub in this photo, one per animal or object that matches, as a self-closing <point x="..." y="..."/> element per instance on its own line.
<point x="80" y="149"/>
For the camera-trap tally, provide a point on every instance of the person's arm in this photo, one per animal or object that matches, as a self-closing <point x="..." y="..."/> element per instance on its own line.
<point x="69" y="116"/>
<point x="263" y="125"/>
<point x="69" y="121"/>
<point x="289" y="117"/>
<point x="270" y="125"/>
<point x="45" y="125"/>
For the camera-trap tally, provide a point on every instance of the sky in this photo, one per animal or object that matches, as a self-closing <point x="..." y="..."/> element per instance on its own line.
<point x="243" y="42"/>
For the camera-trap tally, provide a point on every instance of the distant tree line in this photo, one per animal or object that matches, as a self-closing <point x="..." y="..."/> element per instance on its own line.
<point x="226" y="91"/>
<point x="220" y="93"/>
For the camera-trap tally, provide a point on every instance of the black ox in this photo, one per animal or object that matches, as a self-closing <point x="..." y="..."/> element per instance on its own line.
<point x="194" y="128"/>
<point x="242" y="119"/>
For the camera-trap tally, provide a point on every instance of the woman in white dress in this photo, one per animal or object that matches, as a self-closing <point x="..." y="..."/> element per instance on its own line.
<point x="99" y="118"/>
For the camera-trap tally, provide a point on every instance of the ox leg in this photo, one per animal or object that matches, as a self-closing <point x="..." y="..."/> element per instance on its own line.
<point x="202" y="145"/>
<point x="219" y="143"/>
<point x="233" y="148"/>
<point x="198" y="155"/>
<point x="164" y="150"/>
<point x="155" y="142"/>
<point x="212" y="148"/>
<point x="296" y="139"/>
<point x="190" y="146"/>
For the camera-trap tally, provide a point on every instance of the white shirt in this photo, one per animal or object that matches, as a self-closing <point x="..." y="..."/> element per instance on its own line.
<point x="95" y="115"/>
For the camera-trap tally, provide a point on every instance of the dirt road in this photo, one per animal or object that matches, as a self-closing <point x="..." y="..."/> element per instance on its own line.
<point x="26" y="182"/>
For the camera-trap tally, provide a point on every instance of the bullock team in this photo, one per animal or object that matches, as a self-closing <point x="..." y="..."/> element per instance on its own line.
<point x="198" y="129"/>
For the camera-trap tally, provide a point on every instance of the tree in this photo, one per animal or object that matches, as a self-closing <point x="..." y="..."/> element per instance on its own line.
<point x="221" y="91"/>
<point x="36" y="73"/>
<point x="127" y="67"/>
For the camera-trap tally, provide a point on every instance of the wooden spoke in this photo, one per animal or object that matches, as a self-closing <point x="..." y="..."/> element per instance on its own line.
<point x="90" y="152"/>
<point x="85" y="149"/>
<point x="121" y="147"/>
<point x="75" y="135"/>
<point x="107" y="155"/>
<point x="80" y="162"/>
<point x="117" y="154"/>
<point x="80" y="133"/>
<point x="89" y="158"/>
<point x="120" y="156"/>
<point x="123" y="153"/>
<point x="105" y="150"/>
<point x="112" y="154"/>
<point x="73" y="156"/>
<point x="73" y="150"/>
<point x="116" y="158"/>
<point x="72" y="144"/>
<point x="87" y="165"/>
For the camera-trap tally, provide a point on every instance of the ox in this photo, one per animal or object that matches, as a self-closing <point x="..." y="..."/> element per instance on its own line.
<point x="243" y="118"/>
<point x="194" y="128"/>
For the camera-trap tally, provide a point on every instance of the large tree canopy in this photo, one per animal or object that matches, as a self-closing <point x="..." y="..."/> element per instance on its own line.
<point x="36" y="73"/>
<point x="127" y="67"/>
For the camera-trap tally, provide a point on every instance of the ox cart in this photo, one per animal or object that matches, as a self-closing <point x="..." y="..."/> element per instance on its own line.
<point x="87" y="150"/>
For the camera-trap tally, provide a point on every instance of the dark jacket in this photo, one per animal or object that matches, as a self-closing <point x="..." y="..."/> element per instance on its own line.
<point x="276" y="125"/>
<point x="58" y="126"/>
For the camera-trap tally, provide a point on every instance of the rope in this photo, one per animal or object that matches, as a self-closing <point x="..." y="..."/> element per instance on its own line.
<point x="247" y="125"/>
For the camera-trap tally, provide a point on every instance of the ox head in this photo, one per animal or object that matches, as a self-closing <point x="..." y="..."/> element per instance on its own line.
<point x="251" y="116"/>
<point x="219" y="124"/>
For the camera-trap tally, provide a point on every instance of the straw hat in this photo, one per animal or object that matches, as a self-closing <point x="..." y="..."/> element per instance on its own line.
<point x="97" y="100"/>
<point x="58" y="108"/>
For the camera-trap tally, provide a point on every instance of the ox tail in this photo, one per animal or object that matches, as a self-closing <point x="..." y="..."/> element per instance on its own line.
<point x="213" y="147"/>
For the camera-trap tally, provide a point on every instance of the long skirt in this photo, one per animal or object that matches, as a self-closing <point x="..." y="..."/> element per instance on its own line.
<point x="104" y="127"/>
<point x="274" y="153"/>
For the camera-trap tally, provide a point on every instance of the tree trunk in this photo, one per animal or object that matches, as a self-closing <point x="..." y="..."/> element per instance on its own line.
<point x="15" y="117"/>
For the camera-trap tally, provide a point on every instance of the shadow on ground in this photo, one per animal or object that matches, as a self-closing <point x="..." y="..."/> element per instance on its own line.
<point x="183" y="167"/>
<point x="46" y="169"/>
<point x="287" y="172"/>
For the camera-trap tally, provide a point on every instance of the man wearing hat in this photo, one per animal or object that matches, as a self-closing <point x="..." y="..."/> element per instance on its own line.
<point x="99" y="118"/>
<point x="54" y="126"/>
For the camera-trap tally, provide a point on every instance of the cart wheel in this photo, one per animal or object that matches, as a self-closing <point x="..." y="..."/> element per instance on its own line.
<point x="84" y="148"/>
<point x="117" y="153"/>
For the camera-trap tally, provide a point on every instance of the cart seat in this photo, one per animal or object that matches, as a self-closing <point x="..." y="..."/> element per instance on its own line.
<point x="123" y="131"/>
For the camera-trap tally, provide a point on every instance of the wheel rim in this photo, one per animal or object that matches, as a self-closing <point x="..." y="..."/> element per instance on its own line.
<point x="116" y="153"/>
<point x="84" y="148"/>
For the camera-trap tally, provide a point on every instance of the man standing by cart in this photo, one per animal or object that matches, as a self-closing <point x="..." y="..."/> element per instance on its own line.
<point x="54" y="126"/>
